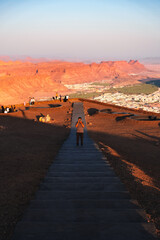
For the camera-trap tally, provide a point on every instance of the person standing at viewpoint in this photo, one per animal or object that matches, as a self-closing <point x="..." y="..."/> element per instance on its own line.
<point x="80" y="130"/>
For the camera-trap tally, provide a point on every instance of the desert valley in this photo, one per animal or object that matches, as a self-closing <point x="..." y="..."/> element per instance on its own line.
<point x="122" y="83"/>
<point x="122" y="116"/>
<point x="36" y="78"/>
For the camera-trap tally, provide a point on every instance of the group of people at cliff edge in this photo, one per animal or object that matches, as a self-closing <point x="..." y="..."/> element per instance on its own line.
<point x="8" y="109"/>
<point x="60" y="98"/>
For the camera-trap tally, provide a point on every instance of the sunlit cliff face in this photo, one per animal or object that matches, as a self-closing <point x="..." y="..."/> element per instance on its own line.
<point x="21" y="80"/>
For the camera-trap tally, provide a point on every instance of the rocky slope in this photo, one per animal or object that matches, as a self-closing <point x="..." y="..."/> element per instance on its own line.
<point x="21" y="80"/>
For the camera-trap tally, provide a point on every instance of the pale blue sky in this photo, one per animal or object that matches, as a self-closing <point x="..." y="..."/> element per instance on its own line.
<point x="80" y="30"/>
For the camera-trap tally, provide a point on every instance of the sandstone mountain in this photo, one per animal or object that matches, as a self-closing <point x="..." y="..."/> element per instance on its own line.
<point x="21" y="80"/>
<point x="80" y="72"/>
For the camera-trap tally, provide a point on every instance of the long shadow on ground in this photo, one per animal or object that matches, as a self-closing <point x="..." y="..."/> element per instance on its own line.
<point x="27" y="149"/>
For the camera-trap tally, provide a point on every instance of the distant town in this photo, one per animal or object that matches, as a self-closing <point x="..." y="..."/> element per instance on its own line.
<point x="100" y="92"/>
<point x="148" y="103"/>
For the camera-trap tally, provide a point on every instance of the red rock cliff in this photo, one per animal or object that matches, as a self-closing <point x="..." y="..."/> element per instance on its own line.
<point x="19" y="81"/>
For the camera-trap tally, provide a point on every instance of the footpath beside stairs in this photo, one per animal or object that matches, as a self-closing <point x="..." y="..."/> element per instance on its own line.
<point x="81" y="198"/>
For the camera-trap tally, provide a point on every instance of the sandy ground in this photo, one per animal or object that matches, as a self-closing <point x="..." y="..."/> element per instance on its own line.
<point x="133" y="149"/>
<point x="27" y="148"/>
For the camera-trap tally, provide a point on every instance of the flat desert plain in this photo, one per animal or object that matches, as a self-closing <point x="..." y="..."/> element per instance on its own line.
<point x="28" y="147"/>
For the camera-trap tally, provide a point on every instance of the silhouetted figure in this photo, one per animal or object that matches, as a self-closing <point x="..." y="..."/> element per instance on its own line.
<point x="30" y="101"/>
<point x="65" y="99"/>
<point x="11" y="109"/>
<point x="80" y="130"/>
<point x="33" y="101"/>
<point x="2" y="109"/>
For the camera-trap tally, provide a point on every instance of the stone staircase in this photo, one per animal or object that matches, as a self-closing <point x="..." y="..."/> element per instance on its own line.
<point x="81" y="198"/>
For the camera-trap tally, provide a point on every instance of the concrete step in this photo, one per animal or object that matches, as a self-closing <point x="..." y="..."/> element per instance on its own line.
<point x="66" y="158"/>
<point x="84" y="231"/>
<point x="73" y="148"/>
<point x="92" y="195"/>
<point x="81" y="150"/>
<point x="80" y="174"/>
<point x="85" y="204"/>
<point x="114" y="187"/>
<point x="61" y="180"/>
<point x="80" y="168"/>
<point x="92" y="215"/>
<point x="79" y="162"/>
<point x="73" y="162"/>
<point x="80" y="155"/>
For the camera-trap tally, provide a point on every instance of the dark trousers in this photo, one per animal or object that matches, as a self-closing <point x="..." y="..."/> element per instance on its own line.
<point x="79" y="135"/>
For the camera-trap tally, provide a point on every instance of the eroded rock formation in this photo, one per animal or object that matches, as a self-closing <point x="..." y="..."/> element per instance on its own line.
<point x="21" y="80"/>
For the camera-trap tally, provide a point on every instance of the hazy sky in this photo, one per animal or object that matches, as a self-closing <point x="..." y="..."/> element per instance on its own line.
<point x="80" y="29"/>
